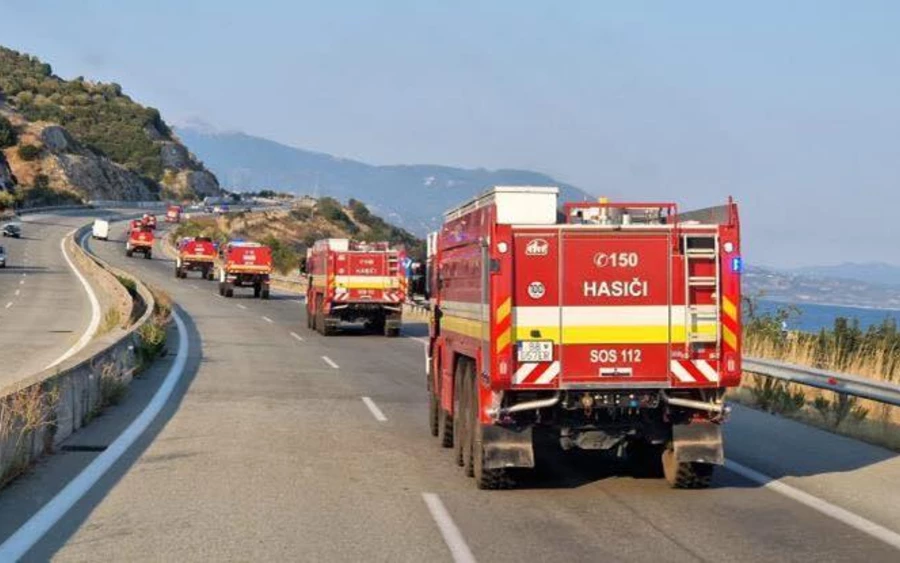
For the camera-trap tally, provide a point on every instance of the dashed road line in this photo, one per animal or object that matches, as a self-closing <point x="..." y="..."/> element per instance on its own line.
<point x="373" y="408"/>
<point x="8" y="305"/>
<point x="268" y="320"/>
<point x="21" y="282"/>
<point x="239" y="306"/>
<point x="459" y="550"/>
<point x="297" y="336"/>
<point x="330" y="362"/>
<point x="18" y="291"/>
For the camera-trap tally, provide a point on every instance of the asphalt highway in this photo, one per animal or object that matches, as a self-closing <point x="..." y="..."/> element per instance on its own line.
<point x="285" y="445"/>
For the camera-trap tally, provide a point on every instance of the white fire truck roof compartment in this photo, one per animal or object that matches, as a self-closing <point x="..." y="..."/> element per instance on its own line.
<point x="338" y="244"/>
<point x="523" y="205"/>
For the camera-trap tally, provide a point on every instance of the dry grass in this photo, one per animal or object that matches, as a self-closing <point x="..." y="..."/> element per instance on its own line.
<point x="21" y="415"/>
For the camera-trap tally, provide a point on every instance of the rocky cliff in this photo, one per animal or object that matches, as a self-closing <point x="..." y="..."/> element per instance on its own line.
<point x="86" y="140"/>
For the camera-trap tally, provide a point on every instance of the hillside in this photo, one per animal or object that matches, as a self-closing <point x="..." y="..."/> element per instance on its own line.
<point x="413" y="196"/>
<point x="77" y="139"/>
<point x="869" y="272"/>
<point x="791" y="287"/>
<point x="291" y="231"/>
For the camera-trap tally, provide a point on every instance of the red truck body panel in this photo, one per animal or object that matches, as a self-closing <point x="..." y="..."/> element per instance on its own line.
<point x="242" y="259"/>
<point x="142" y="237"/>
<point x="173" y="213"/>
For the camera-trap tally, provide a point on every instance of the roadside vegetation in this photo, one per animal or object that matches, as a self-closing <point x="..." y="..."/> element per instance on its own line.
<point x="846" y="348"/>
<point x="99" y="115"/>
<point x="290" y="232"/>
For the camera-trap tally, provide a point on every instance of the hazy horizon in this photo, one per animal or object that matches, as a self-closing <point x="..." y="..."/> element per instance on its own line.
<point x="793" y="109"/>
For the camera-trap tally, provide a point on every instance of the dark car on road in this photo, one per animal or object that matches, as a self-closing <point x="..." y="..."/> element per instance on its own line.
<point x="12" y="230"/>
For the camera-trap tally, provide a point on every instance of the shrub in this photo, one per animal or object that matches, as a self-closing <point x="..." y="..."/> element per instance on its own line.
<point x="28" y="152"/>
<point x="8" y="134"/>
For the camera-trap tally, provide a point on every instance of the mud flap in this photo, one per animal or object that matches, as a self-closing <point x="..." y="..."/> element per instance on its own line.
<point x="507" y="447"/>
<point x="698" y="442"/>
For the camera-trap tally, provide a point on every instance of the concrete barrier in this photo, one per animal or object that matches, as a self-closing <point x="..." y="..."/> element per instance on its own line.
<point x="40" y="411"/>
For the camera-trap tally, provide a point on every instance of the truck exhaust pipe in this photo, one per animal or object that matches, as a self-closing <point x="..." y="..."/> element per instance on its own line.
<point x="718" y="408"/>
<point x="526" y="406"/>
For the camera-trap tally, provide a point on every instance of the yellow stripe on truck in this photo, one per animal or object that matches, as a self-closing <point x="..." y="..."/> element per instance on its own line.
<point x="461" y="325"/>
<point x="609" y="334"/>
<point x="729" y="308"/>
<point x="367" y="282"/>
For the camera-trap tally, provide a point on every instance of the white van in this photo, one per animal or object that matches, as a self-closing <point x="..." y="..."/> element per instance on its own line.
<point x="101" y="229"/>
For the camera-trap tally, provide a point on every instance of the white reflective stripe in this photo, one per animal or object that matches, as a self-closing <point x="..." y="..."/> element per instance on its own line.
<point x="523" y="372"/>
<point x="548" y="375"/>
<point x="591" y="315"/>
<point x="707" y="370"/>
<point x="681" y="373"/>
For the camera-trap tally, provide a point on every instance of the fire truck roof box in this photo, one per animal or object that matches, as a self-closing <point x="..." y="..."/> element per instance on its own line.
<point x="338" y="244"/>
<point x="523" y="205"/>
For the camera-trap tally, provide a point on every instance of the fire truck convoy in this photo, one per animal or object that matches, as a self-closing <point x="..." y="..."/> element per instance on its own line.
<point x="244" y="264"/>
<point x="609" y="326"/>
<point x="195" y="254"/>
<point x="140" y="240"/>
<point x="354" y="281"/>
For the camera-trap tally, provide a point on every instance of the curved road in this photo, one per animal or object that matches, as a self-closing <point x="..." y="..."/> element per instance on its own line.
<point x="285" y="445"/>
<point x="44" y="308"/>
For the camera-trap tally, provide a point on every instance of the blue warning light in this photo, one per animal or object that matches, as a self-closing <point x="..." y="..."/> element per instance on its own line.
<point x="737" y="265"/>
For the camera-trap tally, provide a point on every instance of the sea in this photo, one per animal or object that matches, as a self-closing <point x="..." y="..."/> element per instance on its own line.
<point x="814" y="317"/>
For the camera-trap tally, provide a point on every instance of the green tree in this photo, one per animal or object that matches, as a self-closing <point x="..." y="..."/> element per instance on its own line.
<point x="28" y="152"/>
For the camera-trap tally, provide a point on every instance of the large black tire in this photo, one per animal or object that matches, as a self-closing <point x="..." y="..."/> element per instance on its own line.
<point x="485" y="479"/>
<point x="468" y="414"/>
<point x="257" y="290"/>
<point x="686" y="475"/>
<point x="392" y="332"/>
<point x="229" y="290"/>
<point x="128" y="253"/>
<point x="265" y="293"/>
<point x="433" y="407"/>
<point x="148" y="255"/>
<point x="445" y="426"/>
<point x="459" y="424"/>
<point x="221" y="289"/>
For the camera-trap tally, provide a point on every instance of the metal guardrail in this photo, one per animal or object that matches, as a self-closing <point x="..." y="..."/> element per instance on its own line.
<point x="880" y="391"/>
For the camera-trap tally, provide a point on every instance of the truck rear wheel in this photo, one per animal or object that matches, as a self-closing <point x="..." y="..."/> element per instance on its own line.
<point x="265" y="292"/>
<point x="256" y="290"/>
<point x="148" y="255"/>
<point x="445" y="426"/>
<point x="128" y="252"/>
<point x="433" y="406"/>
<point x="485" y="479"/>
<point x="685" y="474"/>
<point x="459" y="420"/>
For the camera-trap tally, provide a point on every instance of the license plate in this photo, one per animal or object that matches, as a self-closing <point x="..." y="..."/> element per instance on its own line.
<point x="535" y="351"/>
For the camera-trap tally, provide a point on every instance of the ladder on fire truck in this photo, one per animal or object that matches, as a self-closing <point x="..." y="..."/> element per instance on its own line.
<point x="698" y="248"/>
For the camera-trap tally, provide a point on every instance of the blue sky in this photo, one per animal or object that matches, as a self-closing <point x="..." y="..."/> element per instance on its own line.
<point x="792" y="107"/>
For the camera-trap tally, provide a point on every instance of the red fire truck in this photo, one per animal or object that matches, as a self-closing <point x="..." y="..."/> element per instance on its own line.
<point x="149" y="220"/>
<point x="244" y="264"/>
<point x="195" y="254"/>
<point x="173" y="213"/>
<point x="354" y="281"/>
<point x="140" y="239"/>
<point x="606" y="326"/>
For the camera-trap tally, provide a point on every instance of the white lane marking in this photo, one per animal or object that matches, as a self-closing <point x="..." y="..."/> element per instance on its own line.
<point x="373" y="408"/>
<point x="95" y="305"/>
<point x="193" y="287"/>
<point x="297" y="336"/>
<point x="22" y="282"/>
<point x="18" y="291"/>
<point x="31" y="532"/>
<point x="419" y="339"/>
<point x="330" y="362"/>
<point x="268" y="320"/>
<point x="8" y="305"/>
<point x="26" y="273"/>
<point x="855" y="521"/>
<point x="459" y="550"/>
<point x="242" y="306"/>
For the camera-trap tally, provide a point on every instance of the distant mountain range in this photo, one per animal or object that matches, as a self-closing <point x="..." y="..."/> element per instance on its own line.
<point x="796" y="287"/>
<point x="870" y="272"/>
<point x="411" y="196"/>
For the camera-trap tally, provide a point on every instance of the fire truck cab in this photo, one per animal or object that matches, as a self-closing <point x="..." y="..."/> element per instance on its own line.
<point x="606" y="326"/>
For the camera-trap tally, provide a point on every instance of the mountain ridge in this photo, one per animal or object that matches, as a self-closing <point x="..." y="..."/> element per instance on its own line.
<point x="413" y="196"/>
